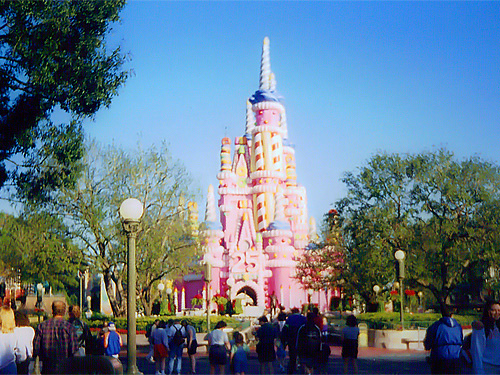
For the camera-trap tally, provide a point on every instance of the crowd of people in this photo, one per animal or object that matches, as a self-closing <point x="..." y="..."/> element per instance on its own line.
<point x="477" y="353"/>
<point x="304" y="336"/>
<point x="53" y="341"/>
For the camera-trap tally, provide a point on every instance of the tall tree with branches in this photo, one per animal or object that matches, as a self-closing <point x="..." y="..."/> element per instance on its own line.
<point x="53" y="57"/>
<point x="166" y="244"/>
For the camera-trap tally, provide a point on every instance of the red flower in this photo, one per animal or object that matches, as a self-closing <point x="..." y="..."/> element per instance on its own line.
<point x="198" y="296"/>
<point x="409" y="292"/>
<point x="393" y="292"/>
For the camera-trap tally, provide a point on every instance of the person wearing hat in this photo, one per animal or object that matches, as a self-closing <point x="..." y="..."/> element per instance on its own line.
<point x="112" y="341"/>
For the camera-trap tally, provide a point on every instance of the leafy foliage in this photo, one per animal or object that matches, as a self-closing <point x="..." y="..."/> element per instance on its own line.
<point x="320" y="266"/>
<point x="436" y="209"/>
<point x="38" y="246"/>
<point x="166" y="246"/>
<point x="53" y="56"/>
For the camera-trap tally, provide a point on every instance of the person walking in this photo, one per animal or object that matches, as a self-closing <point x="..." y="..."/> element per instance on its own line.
<point x="159" y="338"/>
<point x="218" y="343"/>
<point x="112" y="341"/>
<point x="239" y="355"/>
<point x="350" y="334"/>
<point x="485" y="341"/>
<point x="55" y="339"/>
<point x="24" y="334"/>
<point x="8" y="341"/>
<point x="309" y="344"/>
<point x="266" y="334"/>
<point x="149" y="336"/>
<point x="192" y="344"/>
<point x="82" y="331"/>
<point x="444" y="339"/>
<point x="280" y="346"/>
<point x="289" y="337"/>
<point x="176" y="335"/>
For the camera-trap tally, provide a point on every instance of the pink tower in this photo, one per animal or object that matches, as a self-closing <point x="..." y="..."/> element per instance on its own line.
<point x="263" y="216"/>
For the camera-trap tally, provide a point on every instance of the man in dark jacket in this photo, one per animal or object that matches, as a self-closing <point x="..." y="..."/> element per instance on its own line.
<point x="444" y="339"/>
<point x="289" y="337"/>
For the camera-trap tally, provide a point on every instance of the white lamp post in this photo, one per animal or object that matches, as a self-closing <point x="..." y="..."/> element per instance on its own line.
<point x="400" y="256"/>
<point x="131" y="212"/>
<point x="161" y="288"/>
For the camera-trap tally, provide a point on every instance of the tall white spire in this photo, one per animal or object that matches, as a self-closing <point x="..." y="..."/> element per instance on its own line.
<point x="210" y="209"/>
<point x="265" y="66"/>
<point x="272" y="82"/>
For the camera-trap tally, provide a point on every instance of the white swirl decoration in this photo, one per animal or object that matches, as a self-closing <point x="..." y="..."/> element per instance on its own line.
<point x="265" y="65"/>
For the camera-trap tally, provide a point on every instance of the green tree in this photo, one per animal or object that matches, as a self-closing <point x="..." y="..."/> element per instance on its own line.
<point x="53" y="56"/>
<point x="38" y="246"/>
<point x="436" y="209"/>
<point x="166" y="246"/>
<point x="376" y="219"/>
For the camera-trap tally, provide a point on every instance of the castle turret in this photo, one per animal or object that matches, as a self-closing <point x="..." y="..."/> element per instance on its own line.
<point x="211" y="236"/>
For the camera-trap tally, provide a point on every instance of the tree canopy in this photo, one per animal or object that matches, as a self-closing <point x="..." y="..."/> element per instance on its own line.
<point x="37" y="246"/>
<point x="53" y="56"/>
<point x="440" y="211"/>
<point x="166" y="245"/>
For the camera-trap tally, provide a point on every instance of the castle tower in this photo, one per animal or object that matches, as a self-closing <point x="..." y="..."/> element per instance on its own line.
<point x="267" y="167"/>
<point x="263" y="225"/>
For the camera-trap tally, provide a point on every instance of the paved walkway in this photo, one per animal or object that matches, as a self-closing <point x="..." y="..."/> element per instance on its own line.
<point x="371" y="361"/>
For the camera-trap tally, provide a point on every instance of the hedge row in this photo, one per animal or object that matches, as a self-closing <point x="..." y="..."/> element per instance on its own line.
<point x="144" y="323"/>
<point x="384" y="320"/>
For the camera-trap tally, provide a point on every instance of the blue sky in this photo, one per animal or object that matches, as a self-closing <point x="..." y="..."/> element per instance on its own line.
<point x="357" y="78"/>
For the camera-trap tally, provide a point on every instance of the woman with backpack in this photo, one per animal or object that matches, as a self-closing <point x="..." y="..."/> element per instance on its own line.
<point x="485" y="341"/>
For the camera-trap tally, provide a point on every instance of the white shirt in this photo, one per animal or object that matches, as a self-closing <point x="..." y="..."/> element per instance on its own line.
<point x="218" y="337"/>
<point x="24" y="336"/>
<point x="8" y="346"/>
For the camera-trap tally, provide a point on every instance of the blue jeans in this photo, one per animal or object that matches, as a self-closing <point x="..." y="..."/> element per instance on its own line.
<point x="175" y="353"/>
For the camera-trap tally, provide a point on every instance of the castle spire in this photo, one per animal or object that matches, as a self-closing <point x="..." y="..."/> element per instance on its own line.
<point x="272" y="82"/>
<point x="210" y="209"/>
<point x="265" y="65"/>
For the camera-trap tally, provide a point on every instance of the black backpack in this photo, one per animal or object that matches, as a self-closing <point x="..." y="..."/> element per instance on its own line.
<point x="309" y="340"/>
<point x="178" y="339"/>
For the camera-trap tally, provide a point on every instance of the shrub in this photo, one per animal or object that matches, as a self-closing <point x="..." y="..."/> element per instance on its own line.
<point x="385" y="320"/>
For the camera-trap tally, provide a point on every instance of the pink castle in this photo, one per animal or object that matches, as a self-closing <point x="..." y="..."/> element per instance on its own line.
<point x="263" y="226"/>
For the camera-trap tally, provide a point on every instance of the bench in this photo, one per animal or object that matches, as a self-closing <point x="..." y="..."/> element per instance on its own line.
<point x="409" y="341"/>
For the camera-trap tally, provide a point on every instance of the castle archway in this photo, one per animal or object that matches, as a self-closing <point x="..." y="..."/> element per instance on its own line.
<point x="247" y="294"/>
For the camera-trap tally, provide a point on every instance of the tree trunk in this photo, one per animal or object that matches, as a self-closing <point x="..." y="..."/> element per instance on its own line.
<point x="118" y="300"/>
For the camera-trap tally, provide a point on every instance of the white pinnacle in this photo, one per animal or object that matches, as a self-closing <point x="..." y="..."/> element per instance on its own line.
<point x="265" y="65"/>
<point x="210" y="209"/>
<point x="272" y="82"/>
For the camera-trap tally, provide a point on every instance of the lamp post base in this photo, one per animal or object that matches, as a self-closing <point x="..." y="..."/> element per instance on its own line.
<point x="133" y="370"/>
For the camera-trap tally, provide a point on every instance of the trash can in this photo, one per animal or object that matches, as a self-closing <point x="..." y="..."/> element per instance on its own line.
<point x="363" y="335"/>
